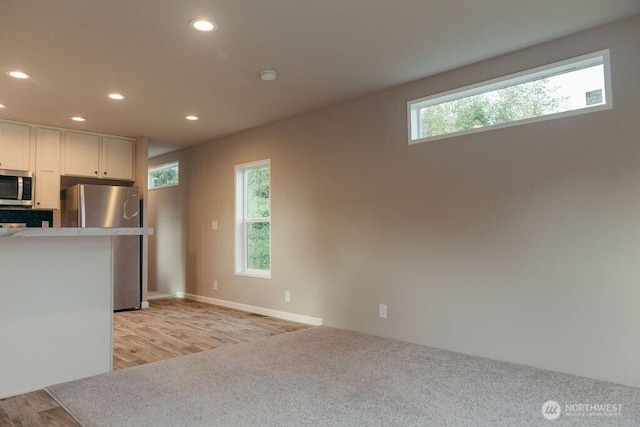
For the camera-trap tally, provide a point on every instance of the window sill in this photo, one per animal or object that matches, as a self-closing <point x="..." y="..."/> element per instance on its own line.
<point x="256" y="275"/>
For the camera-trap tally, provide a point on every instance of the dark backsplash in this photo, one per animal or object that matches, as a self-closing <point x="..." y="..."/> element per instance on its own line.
<point x="30" y="217"/>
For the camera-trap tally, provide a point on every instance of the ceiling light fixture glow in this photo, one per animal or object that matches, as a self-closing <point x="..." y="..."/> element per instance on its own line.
<point x="203" y="25"/>
<point x="3" y="106"/>
<point x="268" y="75"/>
<point x="19" y="74"/>
<point x="116" y="96"/>
<point x="78" y="119"/>
<point x="192" y="118"/>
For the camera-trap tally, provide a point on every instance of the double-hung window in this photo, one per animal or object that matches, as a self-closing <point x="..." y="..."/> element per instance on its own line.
<point x="253" y="219"/>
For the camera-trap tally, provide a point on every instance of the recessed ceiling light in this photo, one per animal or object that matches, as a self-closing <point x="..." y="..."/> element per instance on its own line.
<point x="116" y="96"/>
<point x="78" y="119"/>
<point x="191" y="117"/>
<point x="19" y="74"/>
<point x="268" y="75"/>
<point x="2" y="106"/>
<point x="203" y="25"/>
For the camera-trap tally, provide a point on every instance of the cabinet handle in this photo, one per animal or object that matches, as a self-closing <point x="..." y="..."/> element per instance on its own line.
<point x="96" y="172"/>
<point x="38" y="203"/>
<point x="105" y="173"/>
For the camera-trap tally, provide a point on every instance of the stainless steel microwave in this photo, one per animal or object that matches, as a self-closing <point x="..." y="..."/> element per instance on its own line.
<point x="16" y="188"/>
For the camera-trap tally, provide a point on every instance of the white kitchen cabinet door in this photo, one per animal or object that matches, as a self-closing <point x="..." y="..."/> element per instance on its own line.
<point x="15" y="146"/>
<point x="47" y="173"/>
<point x="117" y="159"/>
<point x="82" y="155"/>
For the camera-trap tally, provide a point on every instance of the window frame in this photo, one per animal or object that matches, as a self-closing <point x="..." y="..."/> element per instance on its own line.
<point x="572" y="64"/>
<point x="160" y="167"/>
<point x="241" y="247"/>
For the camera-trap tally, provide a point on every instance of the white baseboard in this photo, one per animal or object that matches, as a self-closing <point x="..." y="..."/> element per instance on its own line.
<point x="315" y="321"/>
<point x="144" y="304"/>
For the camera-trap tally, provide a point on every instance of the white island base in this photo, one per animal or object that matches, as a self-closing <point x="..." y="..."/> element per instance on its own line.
<point x="56" y="310"/>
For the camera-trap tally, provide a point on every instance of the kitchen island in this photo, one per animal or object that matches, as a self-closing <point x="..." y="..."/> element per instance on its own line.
<point x="56" y="308"/>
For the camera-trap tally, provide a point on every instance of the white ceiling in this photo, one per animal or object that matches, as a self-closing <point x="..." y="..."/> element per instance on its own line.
<point x="325" y="51"/>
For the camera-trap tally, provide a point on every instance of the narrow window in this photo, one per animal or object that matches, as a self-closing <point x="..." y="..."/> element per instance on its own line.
<point x="253" y="219"/>
<point x="164" y="175"/>
<point x="574" y="86"/>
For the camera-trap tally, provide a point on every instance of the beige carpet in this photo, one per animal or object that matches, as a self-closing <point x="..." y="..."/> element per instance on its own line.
<point x="331" y="377"/>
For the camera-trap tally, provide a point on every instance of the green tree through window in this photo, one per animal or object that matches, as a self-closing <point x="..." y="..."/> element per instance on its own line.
<point x="513" y="103"/>
<point x="164" y="175"/>
<point x="258" y="231"/>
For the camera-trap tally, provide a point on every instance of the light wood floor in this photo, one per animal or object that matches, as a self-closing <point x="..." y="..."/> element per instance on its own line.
<point x="170" y="327"/>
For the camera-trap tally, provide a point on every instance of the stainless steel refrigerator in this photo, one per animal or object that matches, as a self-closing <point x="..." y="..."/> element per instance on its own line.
<point x="110" y="206"/>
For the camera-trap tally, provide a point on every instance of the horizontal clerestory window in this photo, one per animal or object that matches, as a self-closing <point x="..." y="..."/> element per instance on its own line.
<point x="574" y="86"/>
<point x="164" y="175"/>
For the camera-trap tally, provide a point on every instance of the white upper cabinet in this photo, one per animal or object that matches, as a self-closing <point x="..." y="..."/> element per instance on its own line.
<point x="82" y="154"/>
<point x="15" y="146"/>
<point x="47" y="172"/>
<point x="117" y="157"/>
<point x="99" y="157"/>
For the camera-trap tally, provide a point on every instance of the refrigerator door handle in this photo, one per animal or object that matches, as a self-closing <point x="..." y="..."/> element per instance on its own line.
<point x="124" y="211"/>
<point x="83" y="213"/>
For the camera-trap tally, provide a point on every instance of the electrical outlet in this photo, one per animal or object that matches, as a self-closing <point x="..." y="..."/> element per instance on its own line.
<point x="214" y="225"/>
<point x="287" y="296"/>
<point x="382" y="311"/>
<point x="215" y="285"/>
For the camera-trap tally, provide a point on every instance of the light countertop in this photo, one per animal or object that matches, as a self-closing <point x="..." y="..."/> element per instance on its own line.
<point x="73" y="232"/>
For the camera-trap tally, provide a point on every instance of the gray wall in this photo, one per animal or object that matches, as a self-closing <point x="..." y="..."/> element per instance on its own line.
<point x="518" y="244"/>
<point x="168" y="217"/>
